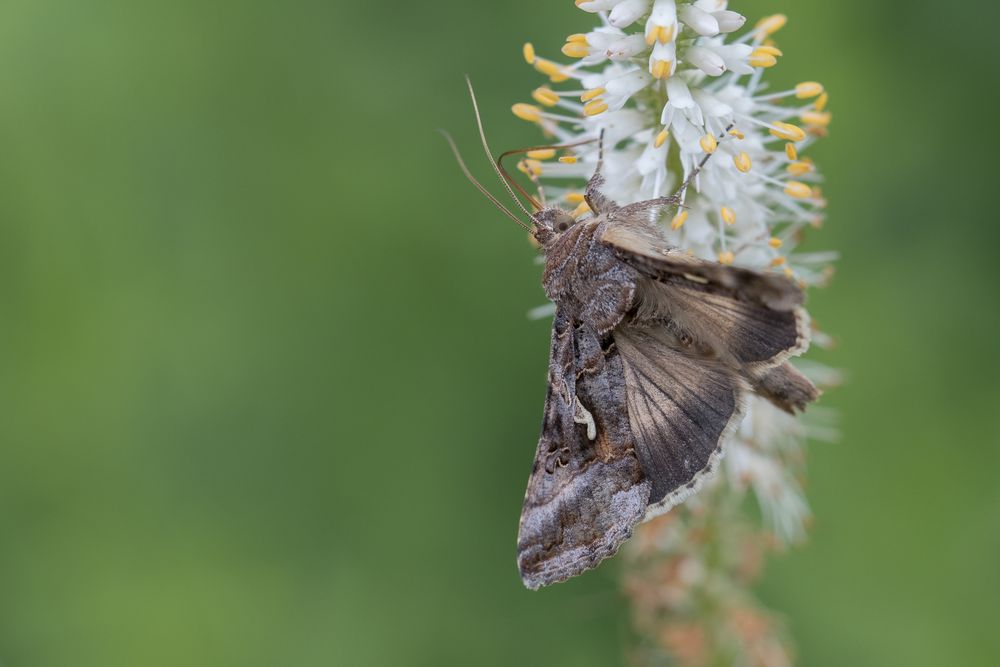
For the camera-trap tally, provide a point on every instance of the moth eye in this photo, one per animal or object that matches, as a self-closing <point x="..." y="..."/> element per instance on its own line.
<point x="562" y="226"/>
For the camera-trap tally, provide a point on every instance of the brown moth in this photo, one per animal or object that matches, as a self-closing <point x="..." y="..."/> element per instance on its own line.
<point x="653" y="353"/>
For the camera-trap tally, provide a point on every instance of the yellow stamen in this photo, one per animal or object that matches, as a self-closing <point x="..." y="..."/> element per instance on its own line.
<point x="595" y="107"/>
<point x="578" y="37"/>
<point x="775" y="242"/>
<point x="591" y="94"/>
<point x="769" y="49"/>
<point x="708" y="143"/>
<point x="798" y="190"/>
<point x="808" y="89"/>
<point x="816" y="118"/>
<point x="661" y="138"/>
<point x="742" y="162"/>
<point x="728" y="215"/>
<point x="736" y="133"/>
<point x="575" y="197"/>
<point x="576" y="49"/>
<point x="545" y="96"/>
<point x="551" y="70"/>
<point x="800" y="168"/>
<point x="759" y="59"/>
<point x="777" y="261"/>
<point x="821" y="101"/>
<point x="679" y="220"/>
<point x="772" y="24"/>
<point x="527" y="112"/>
<point x="580" y="210"/>
<point x="791" y="152"/>
<point x="660" y="33"/>
<point x="726" y="257"/>
<point x="661" y="69"/>
<point x="542" y="154"/>
<point x="568" y="159"/>
<point x="787" y="131"/>
<point x="529" y="53"/>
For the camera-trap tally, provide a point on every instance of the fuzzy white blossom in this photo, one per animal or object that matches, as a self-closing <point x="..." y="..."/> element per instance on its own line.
<point x="669" y="84"/>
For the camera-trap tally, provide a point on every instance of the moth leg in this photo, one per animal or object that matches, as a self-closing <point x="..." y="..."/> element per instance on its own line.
<point x="596" y="199"/>
<point x="627" y="212"/>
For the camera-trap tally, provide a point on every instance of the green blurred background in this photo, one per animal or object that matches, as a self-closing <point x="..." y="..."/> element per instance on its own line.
<point x="268" y="392"/>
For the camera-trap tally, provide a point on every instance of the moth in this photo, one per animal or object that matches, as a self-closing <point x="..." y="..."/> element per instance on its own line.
<point x="653" y="354"/>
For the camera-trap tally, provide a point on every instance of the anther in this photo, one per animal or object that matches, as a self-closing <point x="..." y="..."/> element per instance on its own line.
<point x="728" y="215"/>
<point x="726" y="257"/>
<point x="798" y="190"/>
<point x="591" y="94"/>
<point x="545" y="96"/>
<point x="595" y="107"/>
<point x="661" y="69"/>
<point x="576" y="49"/>
<point x="708" y="143"/>
<point x="661" y="138"/>
<point x="529" y="53"/>
<point x="760" y="59"/>
<point x="527" y="112"/>
<point x="816" y="118"/>
<point x="775" y="242"/>
<point x="542" y="154"/>
<point x="772" y="24"/>
<point x="551" y="70"/>
<point x="791" y="152"/>
<point x="787" y="131"/>
<point x="742" y="162"/>
<point x="569" y="159"/>
<point x="679" y="220"/>
<point x="800" y="168"/>
<point x="808" y="89"/>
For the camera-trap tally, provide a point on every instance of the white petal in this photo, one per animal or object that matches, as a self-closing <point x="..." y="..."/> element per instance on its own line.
<point x="678" y="93"/>
<point x="627" y="47"/>
<point x="699" y="20"/>
<point x="729" y="21"/>
<point x="735" y="56"/>
<point x="595" y="6"/>
<point x="712" y="106"/>
<point x="664" y="13"/>
<point x="706" y="60"/>
<point x="711" y="5"/>
<point x="628" y="12"/>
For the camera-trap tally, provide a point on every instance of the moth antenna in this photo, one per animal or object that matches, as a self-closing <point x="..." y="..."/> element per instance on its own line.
<point x="479" y="186"/>
<point x="701" y="165"/>
<point x="520" y="151"/>
<point x="489" y="153"/>
<point x="600" y="152"/>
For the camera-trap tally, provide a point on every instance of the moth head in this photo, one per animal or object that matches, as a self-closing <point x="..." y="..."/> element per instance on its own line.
<point x="551" y="223"/>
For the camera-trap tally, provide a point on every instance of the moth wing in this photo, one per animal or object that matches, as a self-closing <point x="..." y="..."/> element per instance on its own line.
<point x="746" y="317"/>
<point x="640" y="245"/>
<point x="742" y="332"/>
<point x="586" y="490"/>
<point x="681" y="408"/>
